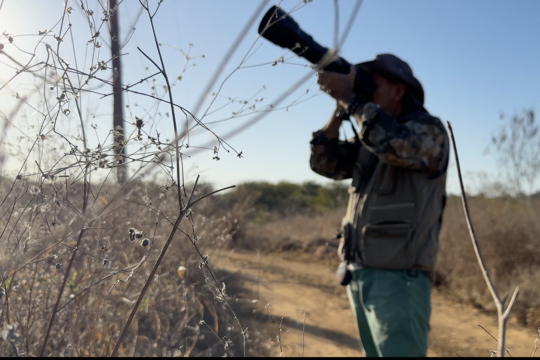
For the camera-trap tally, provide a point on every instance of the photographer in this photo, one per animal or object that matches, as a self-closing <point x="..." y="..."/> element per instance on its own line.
<point x="397" y="163"/>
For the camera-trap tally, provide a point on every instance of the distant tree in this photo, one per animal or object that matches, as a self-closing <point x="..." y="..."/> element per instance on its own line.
<point x="516" y="147"/>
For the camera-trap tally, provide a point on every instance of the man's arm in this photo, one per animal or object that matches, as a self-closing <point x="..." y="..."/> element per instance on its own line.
<point x="331" y="157"/>
<point x="330" y="130"/>
<point x="420" y="142"/>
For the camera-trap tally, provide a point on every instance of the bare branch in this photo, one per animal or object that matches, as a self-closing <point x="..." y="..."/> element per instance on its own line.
<point x="501" y="312"/>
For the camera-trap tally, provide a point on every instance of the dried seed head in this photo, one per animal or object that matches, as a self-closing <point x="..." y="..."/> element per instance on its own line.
<point x="145" y="242"/>
<point x="131" y="234"/>
<point x="227" y="343"/>
<point x="11" y="335"/>
<point x="139" y="123"/>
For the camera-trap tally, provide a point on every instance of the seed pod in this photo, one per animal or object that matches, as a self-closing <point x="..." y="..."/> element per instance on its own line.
<point x="145" y="242"/>
<point x="131" y="234"/>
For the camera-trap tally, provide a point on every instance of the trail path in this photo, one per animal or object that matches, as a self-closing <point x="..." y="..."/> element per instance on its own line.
<point x="292" y="288"/>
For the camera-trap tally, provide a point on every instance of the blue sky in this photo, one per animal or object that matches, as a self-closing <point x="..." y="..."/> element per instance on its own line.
<point x="475" y="60"/>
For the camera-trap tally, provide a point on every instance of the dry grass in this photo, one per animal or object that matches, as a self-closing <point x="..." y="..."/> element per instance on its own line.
<point x="307" y="233"/>
<point x="99" y="294"/>
<point x="507" y="230"/>
<point x="97" y="301"/>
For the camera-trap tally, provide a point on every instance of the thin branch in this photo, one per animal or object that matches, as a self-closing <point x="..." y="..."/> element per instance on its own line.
<point x="501" y="313"/>
<point x="494" y="338"/>
<point x="154" y="270"/>
<point x="303" y="332"/>
<point x="169" y="90"/>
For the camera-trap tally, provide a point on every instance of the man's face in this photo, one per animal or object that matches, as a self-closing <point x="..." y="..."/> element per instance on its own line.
<point x="388" y="95"/>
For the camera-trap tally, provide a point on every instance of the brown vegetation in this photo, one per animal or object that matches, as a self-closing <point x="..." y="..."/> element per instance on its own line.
<point x="507" y="229"/>
<point x="108" y="274"/>
<point x="99" y="294"/>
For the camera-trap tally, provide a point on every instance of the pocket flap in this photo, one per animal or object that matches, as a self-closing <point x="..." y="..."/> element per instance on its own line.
<point x="396" y="213"/>
<point x="397" y="230"/>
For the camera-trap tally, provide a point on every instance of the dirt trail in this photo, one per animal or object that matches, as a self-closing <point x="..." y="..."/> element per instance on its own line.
<point x="292" y="288"/>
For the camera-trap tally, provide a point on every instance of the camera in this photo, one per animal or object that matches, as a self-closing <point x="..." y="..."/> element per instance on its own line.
<point x="280" y="28"/>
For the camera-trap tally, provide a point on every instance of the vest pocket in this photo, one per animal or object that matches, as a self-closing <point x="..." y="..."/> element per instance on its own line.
<point x="388" y="245"/>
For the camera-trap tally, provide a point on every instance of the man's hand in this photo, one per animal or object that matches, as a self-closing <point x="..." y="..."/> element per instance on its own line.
<point x="338" y="86"/>
<point x="331" y="128"/>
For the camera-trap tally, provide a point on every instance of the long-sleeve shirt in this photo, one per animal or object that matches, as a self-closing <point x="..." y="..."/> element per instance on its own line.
<point x="417" y="141"/>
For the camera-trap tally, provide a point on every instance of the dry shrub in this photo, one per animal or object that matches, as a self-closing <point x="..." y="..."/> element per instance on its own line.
<point x="100" y="294"/>
<point x="308" y="233"/>
<point x="507" y="231"/>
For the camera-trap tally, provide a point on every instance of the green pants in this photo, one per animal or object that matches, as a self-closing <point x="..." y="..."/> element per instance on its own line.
<point x="392" y="309"/>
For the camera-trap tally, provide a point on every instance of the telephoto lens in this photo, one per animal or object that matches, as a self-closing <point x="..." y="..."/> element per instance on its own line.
<point x="281" y="29"/>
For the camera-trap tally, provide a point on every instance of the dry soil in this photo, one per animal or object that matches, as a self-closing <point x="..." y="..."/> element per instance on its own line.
<point x="287" y="289"/>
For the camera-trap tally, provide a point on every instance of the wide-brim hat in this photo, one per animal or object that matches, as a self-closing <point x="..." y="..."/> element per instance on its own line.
<point x="396" y="70"/>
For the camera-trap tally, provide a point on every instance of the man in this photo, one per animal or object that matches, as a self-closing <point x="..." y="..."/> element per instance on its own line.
<point x="397" y="163"/>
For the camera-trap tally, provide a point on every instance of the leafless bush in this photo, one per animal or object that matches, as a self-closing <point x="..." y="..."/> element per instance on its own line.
<point x="508" y="231"/>
<point x="82" y="245"/>
<point x="516" y="146"/>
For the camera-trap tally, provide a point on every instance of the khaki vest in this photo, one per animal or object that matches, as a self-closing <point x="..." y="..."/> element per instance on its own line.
<point x="394" y="215"/>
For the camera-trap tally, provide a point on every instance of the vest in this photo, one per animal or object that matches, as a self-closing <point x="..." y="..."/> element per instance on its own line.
<point x="393" y="217"/>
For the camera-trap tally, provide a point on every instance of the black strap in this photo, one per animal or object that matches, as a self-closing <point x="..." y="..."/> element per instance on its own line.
<point x="353" y="129"/>
<point x="346" y="117"/>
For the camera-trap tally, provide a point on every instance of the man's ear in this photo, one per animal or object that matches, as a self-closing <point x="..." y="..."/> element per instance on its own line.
<point x="398" y="92"/>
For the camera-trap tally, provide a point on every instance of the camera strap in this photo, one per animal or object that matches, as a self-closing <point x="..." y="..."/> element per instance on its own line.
<point x="357" y="138"/>
<point x="346" y="117"/>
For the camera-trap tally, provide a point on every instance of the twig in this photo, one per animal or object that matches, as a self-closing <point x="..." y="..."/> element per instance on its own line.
<point x="502" y="314"/>
<point x="61" y="291"/>
<point x="259" y="275"/>
<point x="536" y="344"/>
<point x="280" y="332"/>
<point x="156" y="266"/>
<point x="494" y="338"/>
<point x="169" y="90"/>
<point x="228" y="56"/>
<point x="223" y="341"/>
<point x="13" y="347"/>
<point x="303" y="332"/>
<point x="217" y="287"/>
<point x="278" y="337"/>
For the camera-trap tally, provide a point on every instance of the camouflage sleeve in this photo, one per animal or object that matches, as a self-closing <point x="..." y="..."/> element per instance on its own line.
<point x="333" y="158"/>
<point x="420" y="142"/>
